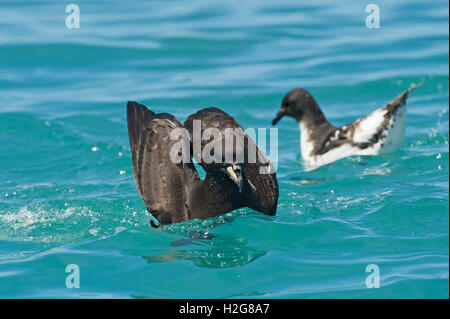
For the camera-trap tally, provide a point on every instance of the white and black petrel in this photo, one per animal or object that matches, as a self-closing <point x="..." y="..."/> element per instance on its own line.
<point x="321" y="143"/>
<point x="173" y="192"/>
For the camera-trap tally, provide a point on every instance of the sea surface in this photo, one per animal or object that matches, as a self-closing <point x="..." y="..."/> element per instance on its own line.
<point x="67" y="193"/>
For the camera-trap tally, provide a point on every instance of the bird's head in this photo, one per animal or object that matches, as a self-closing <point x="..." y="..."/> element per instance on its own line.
<point x="232" y="173"/>
<point x="235" y="172"/>
<point x="298" y="103"/>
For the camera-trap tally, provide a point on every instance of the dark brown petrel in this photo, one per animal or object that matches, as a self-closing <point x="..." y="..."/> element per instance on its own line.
<point x="173" y="192"/>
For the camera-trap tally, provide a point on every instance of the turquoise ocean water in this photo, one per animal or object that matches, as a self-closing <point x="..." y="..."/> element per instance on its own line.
<point x="67" y="194"/>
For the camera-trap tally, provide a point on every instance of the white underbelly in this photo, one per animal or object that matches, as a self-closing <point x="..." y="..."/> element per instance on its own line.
<point x="345" y="150"/>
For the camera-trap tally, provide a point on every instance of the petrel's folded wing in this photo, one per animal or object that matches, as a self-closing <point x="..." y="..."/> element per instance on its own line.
<point x="163" y="181"/>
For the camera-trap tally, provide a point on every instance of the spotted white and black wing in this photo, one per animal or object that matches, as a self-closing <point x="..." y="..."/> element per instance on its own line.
<point x="380" y="131"/>
<point x="162" y="182"/>
<point x="384" y="127"/>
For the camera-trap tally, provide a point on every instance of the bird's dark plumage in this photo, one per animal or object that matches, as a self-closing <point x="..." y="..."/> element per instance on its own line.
<point x="173" y="192"/>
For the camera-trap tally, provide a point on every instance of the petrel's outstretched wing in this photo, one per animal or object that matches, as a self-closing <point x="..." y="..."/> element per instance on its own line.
<point x="371" y="129"/>
<point x="216" y="120"/>
<point x="262" y="179"/>
<point x="261" y="191"/>
<point x="163" y="184"/>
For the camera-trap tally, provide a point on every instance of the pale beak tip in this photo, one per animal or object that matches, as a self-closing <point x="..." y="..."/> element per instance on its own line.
<point x="232" y="174"/>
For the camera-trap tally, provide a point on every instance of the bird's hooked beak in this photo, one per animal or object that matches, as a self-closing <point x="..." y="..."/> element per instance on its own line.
<point x="278" y="117"/>
<point x="234" y="171"/>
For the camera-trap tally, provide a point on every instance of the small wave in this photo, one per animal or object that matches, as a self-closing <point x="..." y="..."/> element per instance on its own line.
<point x="49" y="225"/>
